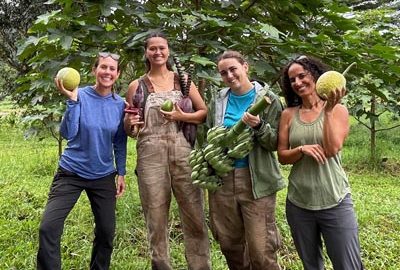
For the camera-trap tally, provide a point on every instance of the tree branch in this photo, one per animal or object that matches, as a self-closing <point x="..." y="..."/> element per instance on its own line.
<point x="386" y="129"/>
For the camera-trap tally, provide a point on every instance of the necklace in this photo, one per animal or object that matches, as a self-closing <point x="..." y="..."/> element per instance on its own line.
<point x="165" y="80"/>
<point x="315" y="105"/>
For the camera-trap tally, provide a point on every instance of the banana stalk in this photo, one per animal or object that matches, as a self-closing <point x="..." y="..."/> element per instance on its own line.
<point x="238" y="128"/>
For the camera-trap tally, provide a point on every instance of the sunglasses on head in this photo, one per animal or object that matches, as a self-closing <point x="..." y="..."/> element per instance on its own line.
<point x="107" y="54"/>
<point x="300" y="57"/>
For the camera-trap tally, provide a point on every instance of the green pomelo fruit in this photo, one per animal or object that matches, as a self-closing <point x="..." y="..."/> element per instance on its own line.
<point x="167" y="105"/>
<point x="70" y="78"/>
<point x="329" y="81"/>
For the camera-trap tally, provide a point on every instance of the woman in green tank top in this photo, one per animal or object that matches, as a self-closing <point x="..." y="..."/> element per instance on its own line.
<point x="312" y="131"/>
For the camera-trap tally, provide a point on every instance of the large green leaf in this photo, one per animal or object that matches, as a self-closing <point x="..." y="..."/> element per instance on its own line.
<point x="202" y="61"/>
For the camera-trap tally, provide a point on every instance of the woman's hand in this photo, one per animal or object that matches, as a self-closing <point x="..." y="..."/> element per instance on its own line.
<point x="175" y="115"/>
<point x="133" y="119"/>
<point x="120" y="184"/>
<point x="132" y="124"/>
<point x="72" y="95"/>
<point x="334" y="98"/>
<point x="315" y="151"/>
<point x="251" y="120"/>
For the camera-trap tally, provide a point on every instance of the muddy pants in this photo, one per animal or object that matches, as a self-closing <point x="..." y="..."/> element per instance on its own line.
<point x="244" y="227"/>
<point x="162" y="170"/>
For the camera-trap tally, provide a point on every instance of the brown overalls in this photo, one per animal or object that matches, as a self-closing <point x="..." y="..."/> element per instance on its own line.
<point x="162" y="166"/>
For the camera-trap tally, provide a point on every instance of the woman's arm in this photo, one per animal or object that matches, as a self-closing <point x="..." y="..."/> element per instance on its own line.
<point x="336" y="123"/>
<point x="287" y="155"/>
<point x="131" y="121"/>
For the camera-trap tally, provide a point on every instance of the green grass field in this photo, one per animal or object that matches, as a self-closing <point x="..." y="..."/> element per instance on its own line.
<point x="26" y="171"/>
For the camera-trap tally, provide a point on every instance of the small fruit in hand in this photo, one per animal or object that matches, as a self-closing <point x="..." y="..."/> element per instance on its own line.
<point x="167" y="105"/>
<point x="331" y="80"/>
<point x="70" y="78"/>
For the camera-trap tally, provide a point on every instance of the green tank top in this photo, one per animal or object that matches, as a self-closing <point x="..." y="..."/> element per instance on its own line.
<point x="312" y="185"/>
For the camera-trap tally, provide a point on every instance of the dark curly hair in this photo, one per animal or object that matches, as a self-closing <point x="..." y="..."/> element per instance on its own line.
<point x="311" y="64"/>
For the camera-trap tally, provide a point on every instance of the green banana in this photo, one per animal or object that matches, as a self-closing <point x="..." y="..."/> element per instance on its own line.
<point x="204" y="171"/>
<point x="208" y="148"/>
<point x="193" y="154"/>
<point x="217" y="139"/>
<point x="216" y="151"/>
<point x="196" y="181"/>
<point x="243" y="145"/>
<point x="194" y="175"/>
<point x="244" y="136"/>
<point x="199" y="153"/>
<point x="238" y="153"/>
<point x="215" y="131"/>
<point x="197" y="167"/>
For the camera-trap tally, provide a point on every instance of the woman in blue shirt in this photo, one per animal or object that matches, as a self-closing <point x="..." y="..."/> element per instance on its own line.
<point x="93" y="126"/>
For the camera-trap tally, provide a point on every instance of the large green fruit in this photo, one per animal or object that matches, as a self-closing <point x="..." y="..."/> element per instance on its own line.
<point x="167" y="105"/>
<point x="331" y="80"/>
<point x="70" y="78"/>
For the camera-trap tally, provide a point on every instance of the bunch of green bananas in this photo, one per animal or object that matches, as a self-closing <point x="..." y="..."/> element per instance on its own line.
<point x="202" y="174"/>
<point x="223" y="147"/>
<point x="215" y="155"/>
<point x="216" y="159"/>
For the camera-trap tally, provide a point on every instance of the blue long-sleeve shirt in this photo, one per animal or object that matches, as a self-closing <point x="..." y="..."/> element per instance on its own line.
<point x="93" y="126"/>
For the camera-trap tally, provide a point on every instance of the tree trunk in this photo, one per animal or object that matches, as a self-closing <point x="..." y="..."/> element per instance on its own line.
<point x="373" y="128"/>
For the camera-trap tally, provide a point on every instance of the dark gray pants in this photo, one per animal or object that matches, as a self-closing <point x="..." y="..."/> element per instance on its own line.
<point x="337" y="226"/>
<point x="64" y="192"/>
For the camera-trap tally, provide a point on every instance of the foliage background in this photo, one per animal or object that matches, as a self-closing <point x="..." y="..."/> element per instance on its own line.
<point x="268" y="32"/>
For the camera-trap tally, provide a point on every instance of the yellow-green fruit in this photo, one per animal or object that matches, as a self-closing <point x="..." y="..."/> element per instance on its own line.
<point x="167" y="105"/>
<point x="329" y="81"/>
<point x="70" y="78"/>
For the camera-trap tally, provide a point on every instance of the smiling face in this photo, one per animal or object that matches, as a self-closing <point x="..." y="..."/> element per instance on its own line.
<point x="157" y="51"/>
<point x="106" y="73"/>
<point x="234" y="74"/>
<point x="301" y="80"/>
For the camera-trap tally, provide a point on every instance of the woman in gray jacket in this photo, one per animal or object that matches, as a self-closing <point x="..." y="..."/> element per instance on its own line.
<point x="242" y="211"/>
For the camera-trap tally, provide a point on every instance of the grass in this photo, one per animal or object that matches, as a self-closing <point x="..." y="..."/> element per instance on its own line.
<point x="27" y="168"/>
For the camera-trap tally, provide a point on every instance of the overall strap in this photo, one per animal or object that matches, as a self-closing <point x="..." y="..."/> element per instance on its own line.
<point x="146" y="83"/>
